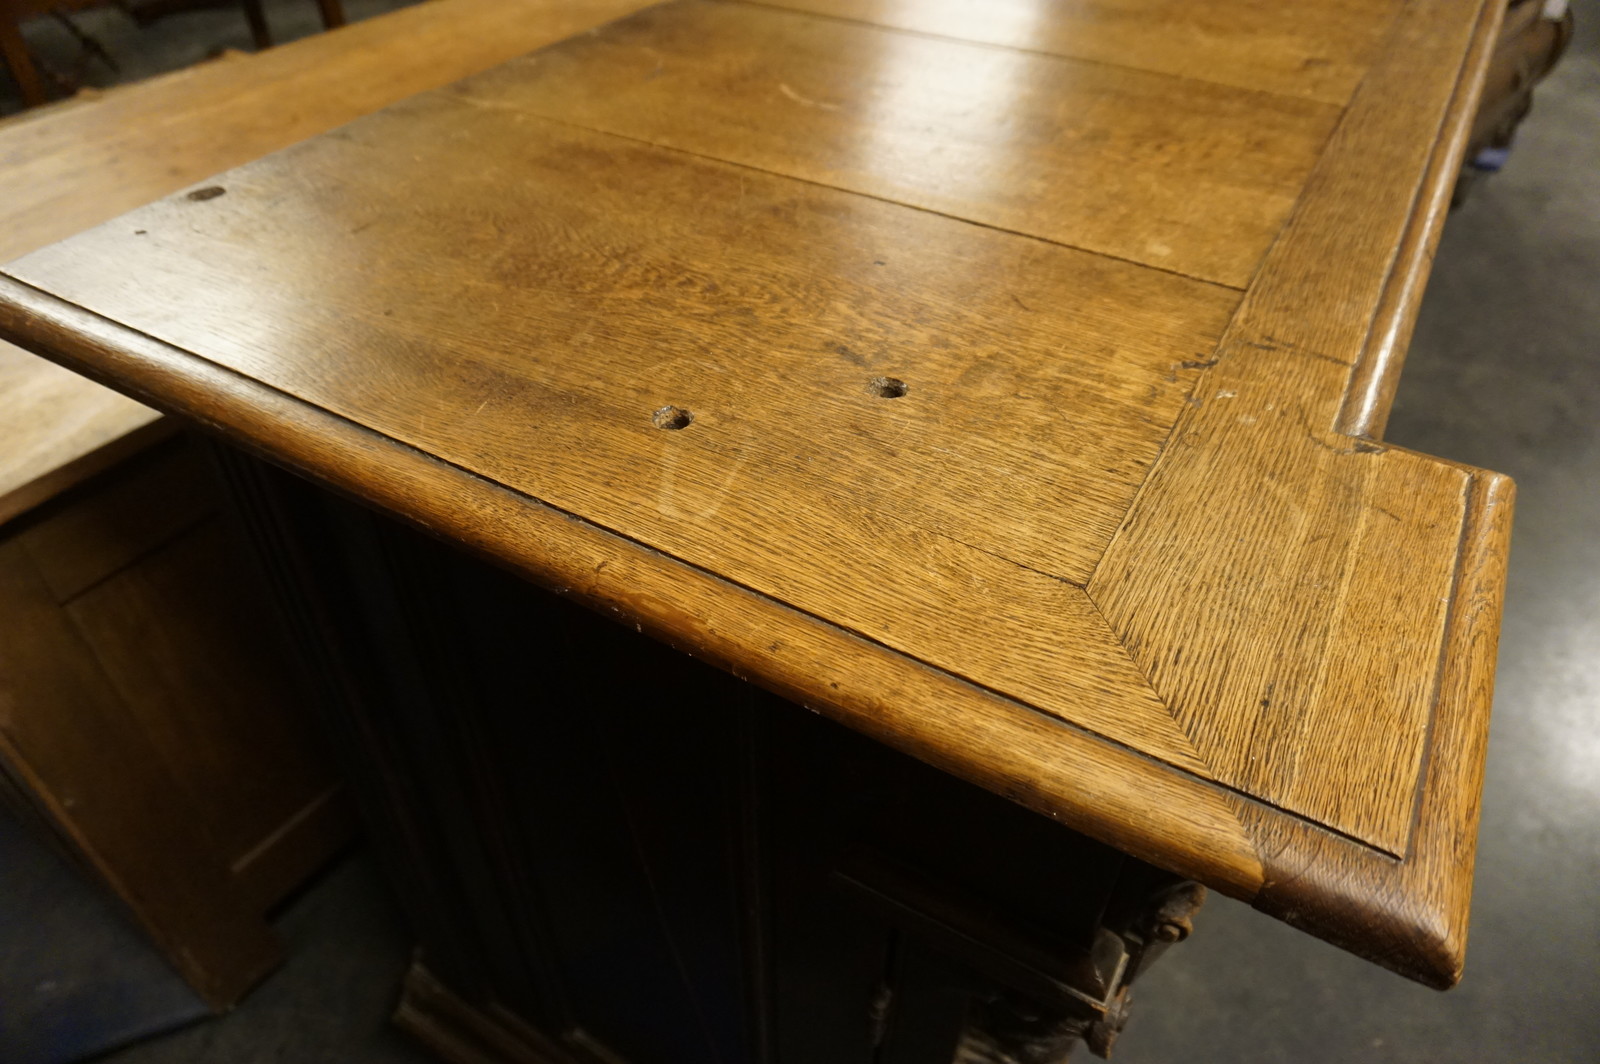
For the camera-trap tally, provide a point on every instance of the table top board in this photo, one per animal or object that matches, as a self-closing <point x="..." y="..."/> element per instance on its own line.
<point x="1005" y="380"/>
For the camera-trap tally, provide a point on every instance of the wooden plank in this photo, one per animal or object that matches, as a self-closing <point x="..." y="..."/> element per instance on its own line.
<point x="1365" y="537"/>
<point x="285" y="860"/>
<point x="1317" y="49"/>
<point x="1376" y="373"/>
<point x="534" y="343"/>
<point x="63" y="173"/>
<point x="1412" y="916"/>
<point x="1193" y="178"/>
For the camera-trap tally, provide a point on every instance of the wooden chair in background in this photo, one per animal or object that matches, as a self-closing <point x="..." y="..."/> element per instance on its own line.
<point x="32" y="83"/>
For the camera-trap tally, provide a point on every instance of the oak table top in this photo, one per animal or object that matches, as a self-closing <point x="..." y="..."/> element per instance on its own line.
<point x="1005" y="380"/>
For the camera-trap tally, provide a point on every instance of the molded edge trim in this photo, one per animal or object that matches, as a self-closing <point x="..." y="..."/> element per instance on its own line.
<point x="1110" y="792"/>
<point x="1412" y="916"/>
<point x="1376" y="373"/>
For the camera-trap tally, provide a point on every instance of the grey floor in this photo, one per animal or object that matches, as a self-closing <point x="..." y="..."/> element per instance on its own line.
<point x="331" y="1000"/>
<point x="1504" y="373"/>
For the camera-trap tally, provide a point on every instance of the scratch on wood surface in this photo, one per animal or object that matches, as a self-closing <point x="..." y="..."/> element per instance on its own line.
<point x="667" y="499"/>
<point x="659" y="57"/>
<point x="805" y="100"/>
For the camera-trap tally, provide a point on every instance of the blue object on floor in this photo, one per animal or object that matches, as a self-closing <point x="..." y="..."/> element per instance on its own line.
<point x="77" y="978"/>
<point x="1491" y="159"/>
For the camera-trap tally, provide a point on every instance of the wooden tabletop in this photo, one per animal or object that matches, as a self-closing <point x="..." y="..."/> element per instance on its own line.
<point x="1003" y="379"/>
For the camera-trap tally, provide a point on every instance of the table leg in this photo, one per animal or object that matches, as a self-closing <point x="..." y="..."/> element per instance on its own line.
<point x="260" y="32"/>
<point x="332" y="13"/>
<point x="20" y="61"/>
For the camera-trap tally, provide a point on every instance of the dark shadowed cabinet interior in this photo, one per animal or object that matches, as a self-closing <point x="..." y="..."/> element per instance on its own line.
<point x="828" y="524"/>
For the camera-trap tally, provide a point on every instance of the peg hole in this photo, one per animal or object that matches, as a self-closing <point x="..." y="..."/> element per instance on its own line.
<point x="887" y="387"/>
<point x="671" y="417"/>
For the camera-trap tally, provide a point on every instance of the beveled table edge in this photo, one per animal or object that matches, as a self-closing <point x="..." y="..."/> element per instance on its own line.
<point x="1375" y="906"/>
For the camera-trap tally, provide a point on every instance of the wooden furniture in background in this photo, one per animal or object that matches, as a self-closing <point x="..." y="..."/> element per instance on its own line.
<point x="332" y="12"/>
<point x="147" y="11"/>
<point x="1004" y="382"/>
<point x="150" y="716"/>
<point x="24" y="71"/>
<point x="14" y="50"/>
<point x="1532" y="40"/>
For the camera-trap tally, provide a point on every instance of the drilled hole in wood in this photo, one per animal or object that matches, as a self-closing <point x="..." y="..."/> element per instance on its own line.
<point x="199" y="195"/>
<point x="887" y="387"/>
<point x="671" y="417"/>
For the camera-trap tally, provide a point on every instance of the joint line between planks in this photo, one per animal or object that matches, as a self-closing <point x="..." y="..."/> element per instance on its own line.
<point x="450" y="92"/>
<point x="930" y="35"/>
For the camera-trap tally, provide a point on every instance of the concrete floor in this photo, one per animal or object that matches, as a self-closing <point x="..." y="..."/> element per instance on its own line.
<point x="1504" y="373"/>
<point x="331" y="1000"/>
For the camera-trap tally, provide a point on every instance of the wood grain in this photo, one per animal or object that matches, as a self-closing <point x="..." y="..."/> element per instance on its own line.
<point x="1422" y="903"/>
<point x="608" y="283"/>
<point x="1376" y="373"/>
<point x="1316" y="49"/>
<point x="1323" y="706"/>
<point x="63" y="173"/>
<point x="1101" y="788"/>
<point x="1193" y="178"/>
